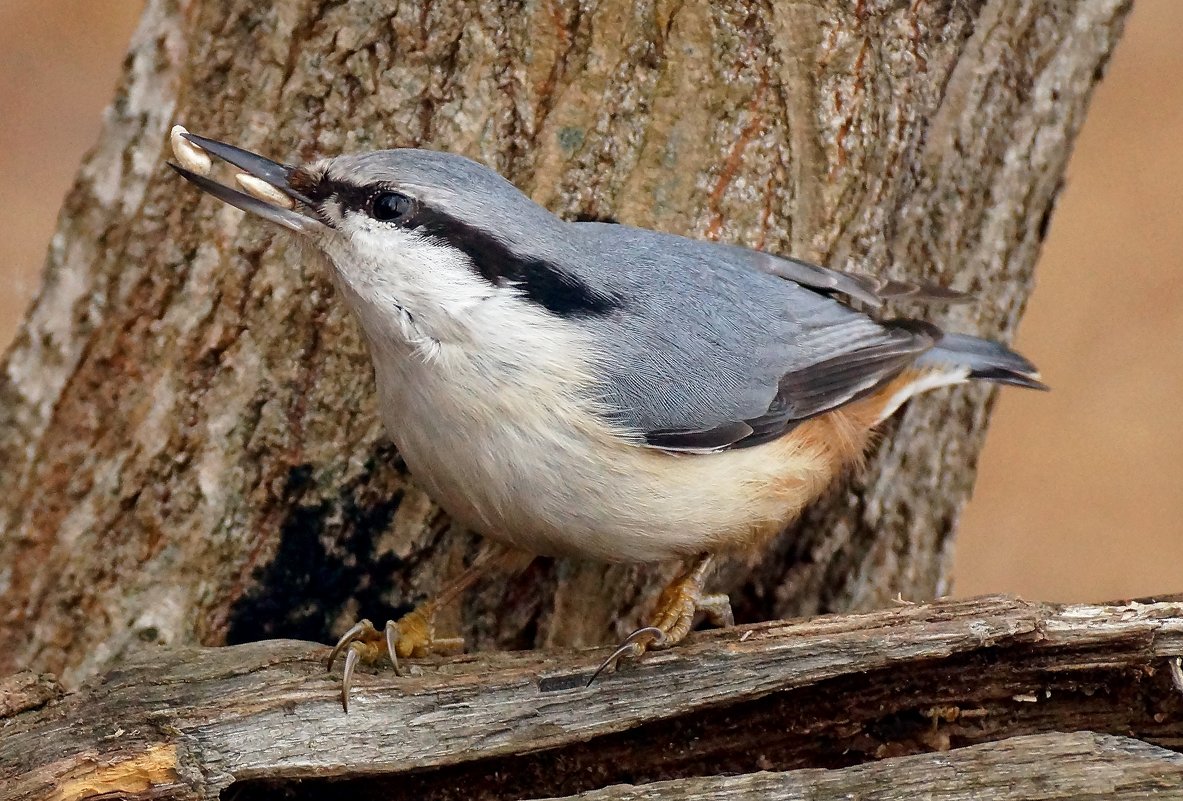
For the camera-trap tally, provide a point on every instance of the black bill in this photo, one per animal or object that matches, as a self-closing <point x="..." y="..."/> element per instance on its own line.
<point x="270" y="172"/>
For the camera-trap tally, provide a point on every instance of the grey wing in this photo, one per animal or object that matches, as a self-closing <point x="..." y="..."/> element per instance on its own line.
<point x="707" y="353"/>
<point x="811" y="389"/>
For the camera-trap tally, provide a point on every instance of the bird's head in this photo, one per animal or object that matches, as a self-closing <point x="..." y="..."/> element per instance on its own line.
<point x="423" y="243"/>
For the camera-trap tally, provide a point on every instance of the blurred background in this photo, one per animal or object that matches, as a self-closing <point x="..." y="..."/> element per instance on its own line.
<point x="1080" y="492"/>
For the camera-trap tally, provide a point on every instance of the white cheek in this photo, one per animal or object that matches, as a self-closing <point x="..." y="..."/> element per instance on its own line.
<point x="392" y="274"/>
<point x="422" y="267"/>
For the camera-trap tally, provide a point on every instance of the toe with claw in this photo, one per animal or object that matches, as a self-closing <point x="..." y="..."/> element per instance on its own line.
<point x="413" y="635"/>
<point x="676" y="609"/>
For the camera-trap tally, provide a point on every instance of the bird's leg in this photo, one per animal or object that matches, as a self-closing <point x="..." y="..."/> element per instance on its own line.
<point x="674" y="616"/>
<point x="412" y="635"/>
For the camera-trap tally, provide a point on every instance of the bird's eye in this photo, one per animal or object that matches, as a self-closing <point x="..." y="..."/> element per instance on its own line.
<point x="390" y="206"/>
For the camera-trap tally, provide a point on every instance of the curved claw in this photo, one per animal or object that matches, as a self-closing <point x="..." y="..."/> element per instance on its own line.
<point x="655" y="636"/>
<point x="346" y="640"/>
<point x="351" y="658"/>
<point x="391" y="633"/>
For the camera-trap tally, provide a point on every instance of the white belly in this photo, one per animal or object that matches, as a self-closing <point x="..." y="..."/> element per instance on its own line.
<point x="520" y="462"/>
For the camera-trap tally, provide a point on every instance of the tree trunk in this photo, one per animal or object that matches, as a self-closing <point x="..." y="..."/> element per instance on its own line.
<point x="189" y="451"/>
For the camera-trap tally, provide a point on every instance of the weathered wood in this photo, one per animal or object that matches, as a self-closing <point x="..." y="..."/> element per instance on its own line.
<point x="1072" y="767"/>
<point x="188" y="446"/>
<point x="828" y="692"/>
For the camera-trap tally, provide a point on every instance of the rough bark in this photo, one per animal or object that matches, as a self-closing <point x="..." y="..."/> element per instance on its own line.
<point x="825" y="693"/>
<point x="188" y="446"/>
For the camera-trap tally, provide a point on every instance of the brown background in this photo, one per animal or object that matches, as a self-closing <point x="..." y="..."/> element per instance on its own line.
<point x="1079" y="493"/>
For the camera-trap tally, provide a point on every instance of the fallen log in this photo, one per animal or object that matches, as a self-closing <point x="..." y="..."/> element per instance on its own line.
<point x="831" y="692"/>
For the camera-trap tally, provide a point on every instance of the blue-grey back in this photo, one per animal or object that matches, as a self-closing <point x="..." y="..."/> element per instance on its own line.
<point x="703" y="337"/>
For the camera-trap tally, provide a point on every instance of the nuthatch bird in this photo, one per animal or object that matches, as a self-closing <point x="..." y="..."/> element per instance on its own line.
<point x="592" y="389"/>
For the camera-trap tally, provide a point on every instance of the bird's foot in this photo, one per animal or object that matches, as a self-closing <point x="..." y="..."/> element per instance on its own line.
<point x="412" y="635"/>
<point x="674" y="617"/>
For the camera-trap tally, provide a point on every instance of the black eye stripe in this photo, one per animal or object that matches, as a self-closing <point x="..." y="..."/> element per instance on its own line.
<point x="540" y="281"/>
<point x="350" y="196"/>
<point x="357" y="198"/>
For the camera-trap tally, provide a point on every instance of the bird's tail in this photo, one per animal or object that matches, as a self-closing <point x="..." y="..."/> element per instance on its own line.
<point x="955" y="359"/>
<point x="981" y="360"/>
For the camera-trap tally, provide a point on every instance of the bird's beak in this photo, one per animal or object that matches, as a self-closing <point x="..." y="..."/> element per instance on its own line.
<point x="271" y="173"/>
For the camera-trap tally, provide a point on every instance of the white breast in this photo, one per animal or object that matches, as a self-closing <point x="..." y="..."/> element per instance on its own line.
<point x="518" y="459"/>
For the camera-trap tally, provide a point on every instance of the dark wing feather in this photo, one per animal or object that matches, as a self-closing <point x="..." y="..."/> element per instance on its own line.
<point x="869" y="289"/>
<point x="812" y="390"/>
<point x="711" y="439"/>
